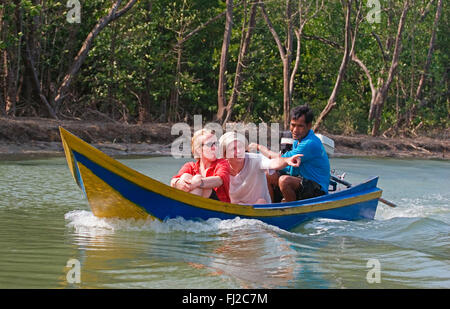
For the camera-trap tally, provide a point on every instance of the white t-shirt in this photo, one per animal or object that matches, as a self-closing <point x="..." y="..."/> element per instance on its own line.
<point x="251" y="184"/>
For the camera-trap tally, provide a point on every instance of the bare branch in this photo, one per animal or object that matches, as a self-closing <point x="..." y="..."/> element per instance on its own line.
<point x="272" y="30"/>
<point x="377" y="38"/>
<point x="125" y="9"/>
<point x="323" y="40"/>
<point x="85" y="48"/>
<point x="425" y="12"/>
<point x="246" y="38"/>
<point x="221" y="96"/>
<point x="430" y="50"/>
<point x="342" y="69"/>
<point x="377" y="104"/>
<point x="37" y="84"/>
<point x="366" y="71"/>
<point x="203" y="25"/>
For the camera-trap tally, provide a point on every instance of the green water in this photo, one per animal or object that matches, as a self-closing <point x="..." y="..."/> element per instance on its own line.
<point x="45" y="221"/>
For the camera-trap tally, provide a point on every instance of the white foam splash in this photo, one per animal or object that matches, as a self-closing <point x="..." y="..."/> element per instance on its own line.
<point x="86" y="221"/>
<point x="426" y="206"/>
<point x="323" y="226"/>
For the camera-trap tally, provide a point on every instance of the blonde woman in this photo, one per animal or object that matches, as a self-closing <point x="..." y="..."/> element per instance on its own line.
<point x="208" y="176"/>
<point x="248" y="182"/>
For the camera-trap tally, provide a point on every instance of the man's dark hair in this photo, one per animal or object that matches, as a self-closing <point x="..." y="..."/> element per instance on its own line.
<point x="301" y="110"/>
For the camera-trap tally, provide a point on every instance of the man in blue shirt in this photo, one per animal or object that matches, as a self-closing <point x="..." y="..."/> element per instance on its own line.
<point x="312" y="177"/>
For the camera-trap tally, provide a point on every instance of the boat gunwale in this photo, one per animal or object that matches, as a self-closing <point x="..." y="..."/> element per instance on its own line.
<point x="259" y="210"/>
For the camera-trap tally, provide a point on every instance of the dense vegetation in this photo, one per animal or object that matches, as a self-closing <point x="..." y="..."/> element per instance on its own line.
<point x="161" y="60"/>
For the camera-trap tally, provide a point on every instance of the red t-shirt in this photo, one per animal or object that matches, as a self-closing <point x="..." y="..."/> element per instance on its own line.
<point x="220" y="168"/>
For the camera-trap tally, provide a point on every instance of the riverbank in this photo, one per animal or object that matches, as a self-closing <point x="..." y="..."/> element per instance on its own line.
<point x="39" y="137"/>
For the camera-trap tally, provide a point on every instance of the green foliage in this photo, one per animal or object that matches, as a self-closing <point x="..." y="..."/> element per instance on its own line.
<point x="132" y="63"/>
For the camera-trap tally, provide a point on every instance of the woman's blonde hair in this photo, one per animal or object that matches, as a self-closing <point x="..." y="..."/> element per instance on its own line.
<point x="197" y="141"/>
<point x="228" y="138"/>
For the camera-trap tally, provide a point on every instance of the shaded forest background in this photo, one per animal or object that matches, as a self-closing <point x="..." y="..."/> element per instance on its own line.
<point x="249" y="60"/>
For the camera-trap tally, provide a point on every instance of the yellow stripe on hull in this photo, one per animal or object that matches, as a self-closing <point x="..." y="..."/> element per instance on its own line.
<point x="73" y="143"/>
<point x="106" y="202"/>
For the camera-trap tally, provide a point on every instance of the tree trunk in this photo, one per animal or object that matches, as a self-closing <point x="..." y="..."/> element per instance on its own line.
<point x="287" y="94"/>
<point x="8" y="80"/>
<point x="285" y="55"/>
<point x="348" y="48"/>
<point x="240" y="63"/>
<point x="221" y="97"/>
<point x="303" y="18"/>
<point x="31" y="55"/>
<point x="112" y="15"/>
<point x="380" y="97"/>
<point x="379" y="92"/>
<point x="10" y="67"/>
<point x="175" y="93"/>
<point x="178" y="48"/>
<point x="298" y="35"/>
<point x="3" y="76"/>
<point x="111" y="84"/>
<point x="426" y="67"/>
<point x="145" y="105"/>
<point x="32" y="68"/>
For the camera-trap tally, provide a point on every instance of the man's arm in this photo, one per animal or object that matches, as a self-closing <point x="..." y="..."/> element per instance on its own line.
<point x="277" y="161"/>
<point x="264" y="150"/>
<point x="280" y="162"/>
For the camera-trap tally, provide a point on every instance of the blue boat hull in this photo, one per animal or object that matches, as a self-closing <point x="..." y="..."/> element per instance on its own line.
<point x="114" y="190"/>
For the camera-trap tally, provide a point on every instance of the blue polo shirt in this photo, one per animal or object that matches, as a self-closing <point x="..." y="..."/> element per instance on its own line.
<point x="314" y="165"/>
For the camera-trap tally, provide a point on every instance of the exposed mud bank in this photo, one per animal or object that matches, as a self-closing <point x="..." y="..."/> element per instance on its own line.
<point x="38" y="137"/>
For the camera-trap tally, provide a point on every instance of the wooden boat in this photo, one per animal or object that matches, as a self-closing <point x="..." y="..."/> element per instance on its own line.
<point x="115" y="190"/>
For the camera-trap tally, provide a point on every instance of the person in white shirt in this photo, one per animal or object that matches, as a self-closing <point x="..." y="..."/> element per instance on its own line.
<point x="248" y="182"/>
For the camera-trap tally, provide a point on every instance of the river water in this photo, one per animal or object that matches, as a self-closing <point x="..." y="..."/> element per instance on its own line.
<point x="45" y="222"/>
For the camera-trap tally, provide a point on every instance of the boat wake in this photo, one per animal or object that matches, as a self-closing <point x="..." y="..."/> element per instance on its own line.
<point x="433" y="205"/>
<point x="430" y="208"/>
<point x="86" y="221"/>
<point x="244" y="252"/>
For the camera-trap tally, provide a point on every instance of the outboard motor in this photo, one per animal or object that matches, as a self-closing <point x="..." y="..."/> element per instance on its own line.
<point x="327" y="143"/>
<point x="286" y="141"/>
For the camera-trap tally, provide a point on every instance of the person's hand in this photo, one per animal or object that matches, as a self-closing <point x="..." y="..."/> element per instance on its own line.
<point x="294" y="160"/>
<point x="183" y="185"/>
<point x="195" y="182"/>
<point x="253" y="147"/>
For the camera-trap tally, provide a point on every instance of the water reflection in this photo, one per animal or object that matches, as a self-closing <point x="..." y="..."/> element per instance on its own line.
<point x="45" y="221"/>
<point x="256" y="258"/>
<point x="233" y="253"/>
